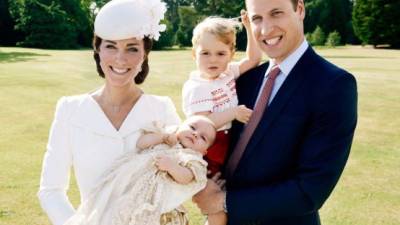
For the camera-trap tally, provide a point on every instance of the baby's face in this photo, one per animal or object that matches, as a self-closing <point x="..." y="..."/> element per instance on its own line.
<point x="197" y="134"/>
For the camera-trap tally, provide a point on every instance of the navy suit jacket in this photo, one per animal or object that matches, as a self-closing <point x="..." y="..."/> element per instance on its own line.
<point x="300" y="147"/>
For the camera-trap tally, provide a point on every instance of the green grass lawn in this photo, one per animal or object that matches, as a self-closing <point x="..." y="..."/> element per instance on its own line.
<point x="32" y="80"/>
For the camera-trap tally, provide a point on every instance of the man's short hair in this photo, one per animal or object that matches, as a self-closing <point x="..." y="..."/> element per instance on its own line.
<point x="294" y="3"/>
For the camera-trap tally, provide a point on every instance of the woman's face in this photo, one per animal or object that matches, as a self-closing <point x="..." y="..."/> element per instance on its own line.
<point x="121" y="60"/>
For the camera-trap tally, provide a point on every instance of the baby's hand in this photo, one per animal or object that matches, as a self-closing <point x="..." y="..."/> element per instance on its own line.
<point x="245" y="19"/>
<point x="242" y="113"/>
<point x="164" y="162"/>
<point x="170" y="139"/>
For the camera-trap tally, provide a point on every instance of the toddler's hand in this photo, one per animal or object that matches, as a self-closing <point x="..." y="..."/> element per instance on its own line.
<point x="170" y="139"/>
<point x="164" y="162"/>
<point x="242" y="113"/>
<point x="245" y="19"/>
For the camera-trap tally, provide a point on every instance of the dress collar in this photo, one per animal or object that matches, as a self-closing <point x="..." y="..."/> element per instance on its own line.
<point x="90" y="116"/>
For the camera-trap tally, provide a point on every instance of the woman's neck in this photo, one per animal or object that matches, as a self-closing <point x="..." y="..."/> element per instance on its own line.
<point x="119" y="96"/>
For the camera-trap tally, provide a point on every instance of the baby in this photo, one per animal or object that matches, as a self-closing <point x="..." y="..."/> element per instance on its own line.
<point x="149" y="186"/>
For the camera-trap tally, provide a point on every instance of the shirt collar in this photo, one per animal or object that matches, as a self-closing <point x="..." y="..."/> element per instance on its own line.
<point x="196" y="75"/>
<point x="287" y="65"/>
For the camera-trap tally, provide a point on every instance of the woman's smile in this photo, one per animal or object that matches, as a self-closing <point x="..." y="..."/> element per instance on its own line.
<point x="119" y="71"/>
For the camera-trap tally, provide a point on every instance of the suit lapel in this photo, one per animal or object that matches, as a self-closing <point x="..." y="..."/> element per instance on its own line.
<point x="247" y="86"/>
<point x="251" y="90"/>
<point x="284" y="93"/>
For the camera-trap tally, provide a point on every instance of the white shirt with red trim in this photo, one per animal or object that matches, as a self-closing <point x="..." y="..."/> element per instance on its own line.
<point x="204" y="95"/>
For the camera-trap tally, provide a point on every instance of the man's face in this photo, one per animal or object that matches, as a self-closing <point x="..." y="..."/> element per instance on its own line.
<point x="277" y="27"/>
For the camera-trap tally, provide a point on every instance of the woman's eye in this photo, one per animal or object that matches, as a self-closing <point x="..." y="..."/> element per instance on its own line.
<point x="192" y="127"/>
<point x="204" y="53"/>
<point x="133" y="50"/>
<point x="221" y="54"/>
<point x="110" y="47"/>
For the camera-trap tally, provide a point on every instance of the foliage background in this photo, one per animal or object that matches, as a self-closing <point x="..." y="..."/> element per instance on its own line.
<point x="60" y="24"/>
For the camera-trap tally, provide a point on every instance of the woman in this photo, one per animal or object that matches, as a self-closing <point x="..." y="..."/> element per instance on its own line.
<point x="90" y="131"/>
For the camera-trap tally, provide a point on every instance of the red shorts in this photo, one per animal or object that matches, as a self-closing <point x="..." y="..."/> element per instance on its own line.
<point x="216" y="154"/>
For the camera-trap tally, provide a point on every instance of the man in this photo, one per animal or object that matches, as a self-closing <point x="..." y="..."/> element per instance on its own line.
<point x="285" y="163"/>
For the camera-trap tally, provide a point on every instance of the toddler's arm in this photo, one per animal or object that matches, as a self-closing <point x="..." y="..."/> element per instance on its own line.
<point x="240" y="113"/>
<point x="179" y="173"/>
<point x="253" y="52"/>
<point x="150" y="139"/>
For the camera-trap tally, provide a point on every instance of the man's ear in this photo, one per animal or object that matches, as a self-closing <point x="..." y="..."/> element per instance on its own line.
<point x="301" y="9"/>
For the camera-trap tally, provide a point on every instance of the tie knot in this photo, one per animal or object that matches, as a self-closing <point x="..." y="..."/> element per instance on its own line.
<point x="274" y="72"/>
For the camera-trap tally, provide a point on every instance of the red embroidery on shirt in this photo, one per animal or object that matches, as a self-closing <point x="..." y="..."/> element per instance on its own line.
<point x="218" y="91"/>
<point x="215" y="99"/>
<point x="201" y="101"/>
<point x="231" y="83"/>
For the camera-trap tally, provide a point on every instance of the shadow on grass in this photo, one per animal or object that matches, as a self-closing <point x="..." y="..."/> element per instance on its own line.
<point x="7" y="57"/>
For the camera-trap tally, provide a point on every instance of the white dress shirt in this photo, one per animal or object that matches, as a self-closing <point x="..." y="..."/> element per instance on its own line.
<point x="82" y="137"/>
<point x="285" y="66"/>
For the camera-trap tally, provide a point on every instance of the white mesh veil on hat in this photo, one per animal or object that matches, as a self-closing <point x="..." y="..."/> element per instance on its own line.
<point x="123" y="19"/>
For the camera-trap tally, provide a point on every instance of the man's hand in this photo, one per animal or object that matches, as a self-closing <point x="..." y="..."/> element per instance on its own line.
<point x="210" y="200"/>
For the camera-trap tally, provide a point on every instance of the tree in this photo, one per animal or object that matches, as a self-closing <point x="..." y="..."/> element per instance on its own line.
<point x="374" y="21"/>
<point x="330" y="15"/>
<point x="333" y="39"/>
<point x="46" y="25"/>
<point x="8" y="35"/>
<point x="188" y="20"/>
<point x="224" y="8"/>
<point x="172" y="14"/>
<point x="82" y="18"/>
<point x="167" y="38"/>
<point x="54" y="23"/>
<point x="318" y="37"/>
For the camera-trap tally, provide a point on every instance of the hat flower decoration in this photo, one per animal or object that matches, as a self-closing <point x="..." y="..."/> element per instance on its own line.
<point x="123" y="19"/>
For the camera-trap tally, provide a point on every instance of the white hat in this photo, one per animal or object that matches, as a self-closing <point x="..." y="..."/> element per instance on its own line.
<point x="123" y="19"/>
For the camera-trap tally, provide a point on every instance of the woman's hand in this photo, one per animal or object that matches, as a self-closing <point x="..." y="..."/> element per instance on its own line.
<point x="164" y="163"/>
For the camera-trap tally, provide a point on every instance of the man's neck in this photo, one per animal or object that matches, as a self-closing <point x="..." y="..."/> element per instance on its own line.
<point x="280" y="60"/>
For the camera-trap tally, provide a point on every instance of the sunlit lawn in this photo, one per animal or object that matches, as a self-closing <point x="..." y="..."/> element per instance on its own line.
<point x="32" y="80"/>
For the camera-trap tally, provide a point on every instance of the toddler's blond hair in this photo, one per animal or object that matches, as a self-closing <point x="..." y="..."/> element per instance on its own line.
<point x="223" y="29"/>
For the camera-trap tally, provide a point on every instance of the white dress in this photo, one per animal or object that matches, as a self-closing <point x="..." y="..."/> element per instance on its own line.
<point x="133" y="192"/>
<point x="82" y="138"/>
